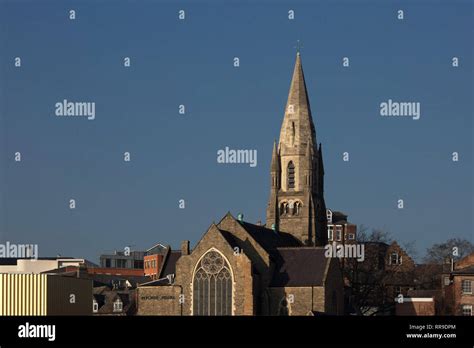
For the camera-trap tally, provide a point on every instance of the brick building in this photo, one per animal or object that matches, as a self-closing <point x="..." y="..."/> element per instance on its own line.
<point x="419" y="302"/>
<point x="457" y="287"/>
<point x="153" y="260"/>
<point x="373" y="285"/>
<point x="340" y="231"/>
<point x="238" y="268"/>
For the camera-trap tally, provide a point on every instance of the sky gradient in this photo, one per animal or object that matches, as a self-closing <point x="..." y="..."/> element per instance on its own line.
<point x="190" y="62"/>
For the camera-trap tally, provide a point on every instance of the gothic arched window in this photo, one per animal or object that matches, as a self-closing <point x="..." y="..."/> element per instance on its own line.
<point x="212" y="286"/>
<point x="291" y="207"/>
<point x="283" y="208"/>
<point x="291" y="175"/>
<point x="297" y="208"/>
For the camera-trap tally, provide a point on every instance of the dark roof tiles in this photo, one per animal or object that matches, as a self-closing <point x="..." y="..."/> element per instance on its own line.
<point x="303" y="266"/>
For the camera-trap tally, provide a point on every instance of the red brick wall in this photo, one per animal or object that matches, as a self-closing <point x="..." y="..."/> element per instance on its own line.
<point x="148" y="269"/>
<point x="460" y="298"/>
<point x="415" y="308"/>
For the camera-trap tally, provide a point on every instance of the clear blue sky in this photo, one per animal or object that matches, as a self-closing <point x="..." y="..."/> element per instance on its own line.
<point x="190" y="62"/>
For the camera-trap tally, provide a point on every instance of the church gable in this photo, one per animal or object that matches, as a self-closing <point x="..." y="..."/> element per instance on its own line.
<point x="216" y="270"/>
<point x="243" y="239"/>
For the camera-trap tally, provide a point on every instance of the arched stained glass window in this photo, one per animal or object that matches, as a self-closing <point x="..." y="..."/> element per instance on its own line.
<point x="291" y="175"/>
<point x="212" y="286"/>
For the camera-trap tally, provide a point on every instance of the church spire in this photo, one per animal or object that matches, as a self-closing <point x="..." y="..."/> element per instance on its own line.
<point x="296" y="204"/>
<point x="275" y="167"/>
<point x="297" y="128"/>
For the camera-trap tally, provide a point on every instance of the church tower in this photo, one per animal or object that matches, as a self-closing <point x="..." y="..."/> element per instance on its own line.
<point x="296" y="203"/>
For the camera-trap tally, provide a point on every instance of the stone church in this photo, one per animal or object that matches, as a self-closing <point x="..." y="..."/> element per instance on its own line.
<point x="239" y="268"/>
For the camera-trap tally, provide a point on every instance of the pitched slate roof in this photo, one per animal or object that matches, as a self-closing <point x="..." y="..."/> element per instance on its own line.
<point x="303" y="266"/>
<point x="268" y="238"/>
<point x="465" y="270"/>
<point x="230" y="238"/>
<point x="169" y="266"/>
<point x="108" y="297"/>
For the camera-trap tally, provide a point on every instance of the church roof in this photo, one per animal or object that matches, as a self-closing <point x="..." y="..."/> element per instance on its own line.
<point x="270" y="239"/>
<point x="303" y="266"/>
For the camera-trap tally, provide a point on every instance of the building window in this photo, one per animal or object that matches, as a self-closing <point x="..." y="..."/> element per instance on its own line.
<point x="291" y="175"/>
<point x="447" y="281"/>
<point x="138" y="264"/>
<point x="339" y="233"/>
<point x="296" y="208"/>
<point x="212" y="286"/>
<point x="284" y="208"/>
<point x="107" y="263"/>
<point x="291" y="207"/>
<point x="395" y="259"/>
<point x="467" y="310"/>
<point x="119" y="263"/>
<point x="329" y="216"/>
<point x="330" y="232"/>
<point x="118" y="306"/>
<point x="466" y="287"/>
<point x="351" y="236"/>
<point x="95" y="306"/>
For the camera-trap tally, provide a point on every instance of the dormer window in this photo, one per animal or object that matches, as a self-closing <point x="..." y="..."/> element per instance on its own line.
<point x="395" y="259"/>
<point x="118" y="305"/>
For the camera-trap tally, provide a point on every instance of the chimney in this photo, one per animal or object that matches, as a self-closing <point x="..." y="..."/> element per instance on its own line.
<point x="185" y="247"/>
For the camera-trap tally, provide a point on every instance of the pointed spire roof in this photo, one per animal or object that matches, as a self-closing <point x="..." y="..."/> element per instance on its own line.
<point x="309" y="156"/>
<point x="298" y="95"/>
<point x="297" y="128"/>
<point x="275" y="160"/>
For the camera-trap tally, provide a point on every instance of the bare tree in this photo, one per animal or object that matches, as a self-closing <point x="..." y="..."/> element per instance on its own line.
<point x="454" y="247"/>
<point x="371" y="283"/>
